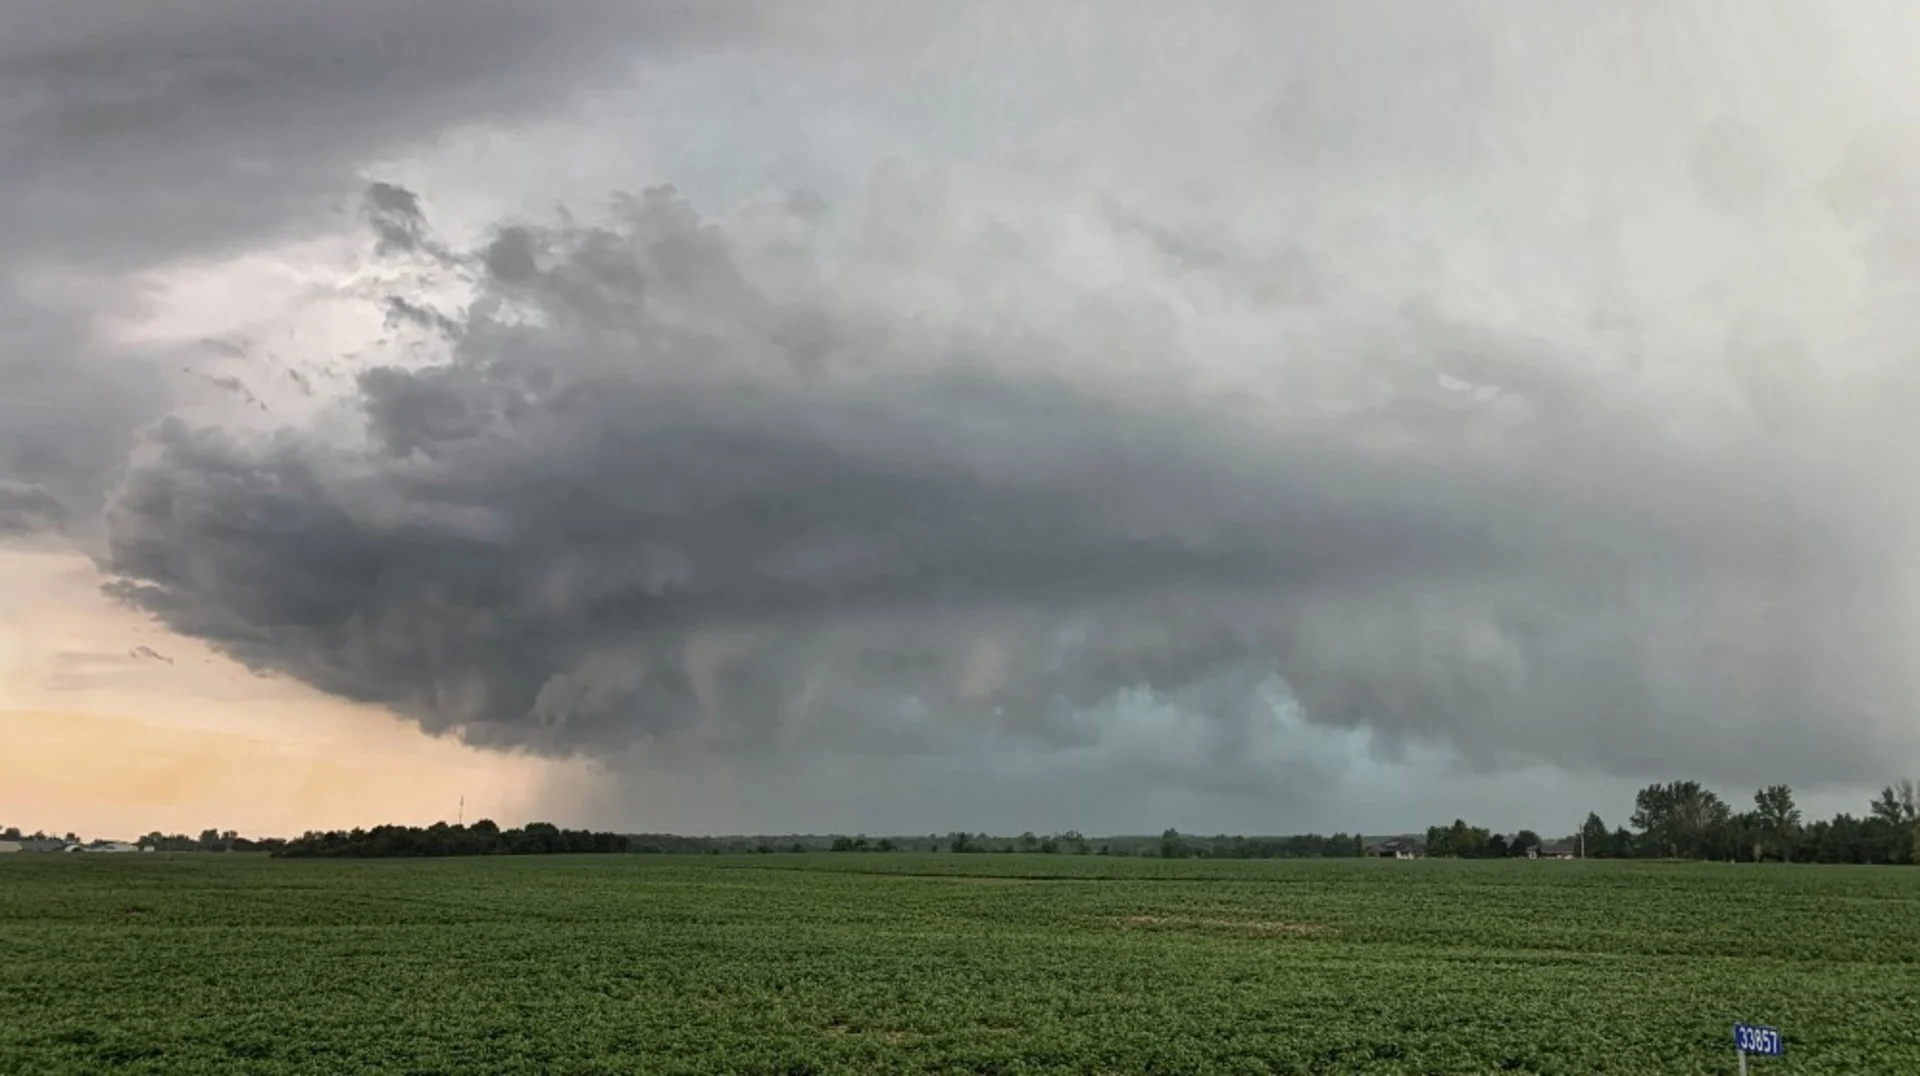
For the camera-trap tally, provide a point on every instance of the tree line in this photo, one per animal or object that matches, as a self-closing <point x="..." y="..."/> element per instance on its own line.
<point x="483" y="838"/>
<point x="1171" y="844"/>
<point x="1675" y="820"/>
<point x="1684" y="819"/>
<point x="210" y="840"/>
<point x="1687" y="820"/>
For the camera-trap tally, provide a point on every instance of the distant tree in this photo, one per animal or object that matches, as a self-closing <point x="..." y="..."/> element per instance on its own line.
<point x="842" y="844"/>
<point x="1496" y="847"/>
<point x="1523" y="842"/>
<point x="1171" y="847"/>
<point x="11" y="833"/>
<point x="1029" y="842"/>
<point x="1460" y="841"/>
<point x="1846" y="839"/>
<point x="1681" y="818"/>
<point x="797" y="847"/>
<point x="210" y="841"/>
<point x="1897" y="810"/>
<point x="1594" y="839"/>
<point x="1775" y="823"/>
<point x="885" y="844"/>
<point x="1622" y="843"/>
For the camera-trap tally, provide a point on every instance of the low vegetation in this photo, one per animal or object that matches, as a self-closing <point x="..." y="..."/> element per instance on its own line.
<point x="822" y="963"/>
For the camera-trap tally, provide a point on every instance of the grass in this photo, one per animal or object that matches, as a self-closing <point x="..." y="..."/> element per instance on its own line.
<point x="958" y="964"/>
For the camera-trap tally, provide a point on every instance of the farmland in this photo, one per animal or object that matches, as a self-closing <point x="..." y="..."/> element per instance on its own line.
<point x="944" y="963"/>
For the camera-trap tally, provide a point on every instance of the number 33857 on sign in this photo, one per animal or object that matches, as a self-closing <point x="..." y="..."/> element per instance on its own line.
<point x="1762" y="1041"/>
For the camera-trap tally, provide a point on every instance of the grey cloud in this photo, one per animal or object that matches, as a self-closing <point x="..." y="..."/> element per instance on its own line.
<point x="69" y="413"/>
<point x="129" y="129"/>
<point x="629" y="512"/>
<point x="27" y="508"/>
<point x="134" y="133"/>
<point x="1483" y="377"/>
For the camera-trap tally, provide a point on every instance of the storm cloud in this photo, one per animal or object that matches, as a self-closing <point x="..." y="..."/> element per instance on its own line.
<point x="671" y="487"/>
<point x="137" y="134"/>
<point x="1093" y="396"/>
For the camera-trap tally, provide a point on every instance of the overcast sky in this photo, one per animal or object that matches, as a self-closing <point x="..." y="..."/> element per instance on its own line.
<point x="911" y="417"/>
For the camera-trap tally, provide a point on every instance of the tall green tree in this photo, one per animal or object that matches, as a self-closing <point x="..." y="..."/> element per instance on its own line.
<point x="1895" y="815"/>
<point x="1595" y="841"/>
<point x="1171" y="846"/>
<point x="1777" y="821"/>
<point x="1682" y="818"/>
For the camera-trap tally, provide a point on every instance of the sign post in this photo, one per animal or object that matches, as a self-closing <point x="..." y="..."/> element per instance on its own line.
<point x="1758" y="1041"/>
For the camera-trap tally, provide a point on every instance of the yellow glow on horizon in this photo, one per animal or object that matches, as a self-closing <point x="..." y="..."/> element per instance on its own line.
<point x="97" y="739"/>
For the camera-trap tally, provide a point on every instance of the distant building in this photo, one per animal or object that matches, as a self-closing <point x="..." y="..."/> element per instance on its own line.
<point x="42" y="846"/>
<point x="1552" y="850"/>
<point x="9" y="846"/>
<point x="1397" y="848"/>
<point x="105" y="846"/>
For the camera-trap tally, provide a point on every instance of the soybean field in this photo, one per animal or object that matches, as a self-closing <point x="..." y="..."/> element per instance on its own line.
<point x="948" y="964"/>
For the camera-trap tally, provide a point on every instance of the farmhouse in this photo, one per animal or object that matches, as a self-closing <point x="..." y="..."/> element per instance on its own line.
<point x="1397" y="848"/>
<point x="9" y="846"/>
<point x="1551" y="850"/>
<point x="105" y="846"/>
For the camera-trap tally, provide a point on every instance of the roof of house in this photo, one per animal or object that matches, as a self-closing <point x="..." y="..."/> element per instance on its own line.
<point x="1554" y="848"/>
<point x="1397" y="844"/>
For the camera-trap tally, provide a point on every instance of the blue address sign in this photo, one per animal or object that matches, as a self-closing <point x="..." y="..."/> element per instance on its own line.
<point x="1761" y="1041"/>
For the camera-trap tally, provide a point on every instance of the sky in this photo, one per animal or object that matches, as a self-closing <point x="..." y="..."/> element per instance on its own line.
<point x="910" y="417"/>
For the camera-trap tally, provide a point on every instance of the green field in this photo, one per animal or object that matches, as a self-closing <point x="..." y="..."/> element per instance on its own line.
<point x="961" y="964"/>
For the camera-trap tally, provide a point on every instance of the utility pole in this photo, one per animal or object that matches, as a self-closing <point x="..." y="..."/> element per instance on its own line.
<point x="463" y="810"/>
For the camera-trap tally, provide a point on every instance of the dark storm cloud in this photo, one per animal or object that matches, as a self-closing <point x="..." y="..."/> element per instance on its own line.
<point x="135" y="129"/>
<point x="134" y="133"/>
<point x="69" y="413"/>
<point x="637" y="504"/>
<point x="1483" y="376"/>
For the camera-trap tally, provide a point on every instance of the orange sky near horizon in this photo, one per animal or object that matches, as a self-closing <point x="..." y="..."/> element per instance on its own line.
<point x="98" y="737"/>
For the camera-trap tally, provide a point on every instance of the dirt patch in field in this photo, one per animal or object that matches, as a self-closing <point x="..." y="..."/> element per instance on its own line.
<point x="1195" y="922"/>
